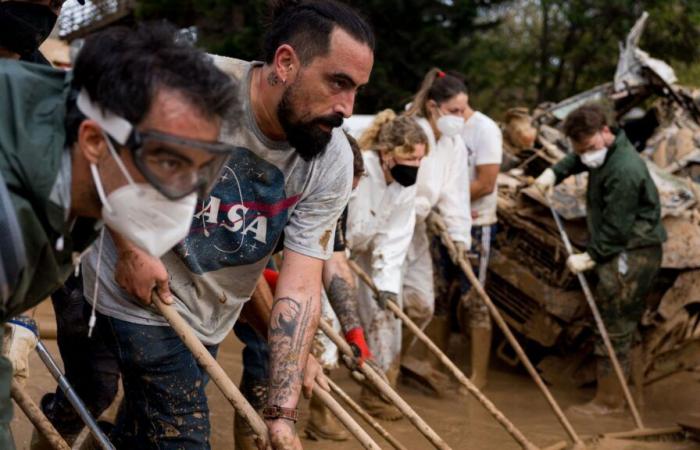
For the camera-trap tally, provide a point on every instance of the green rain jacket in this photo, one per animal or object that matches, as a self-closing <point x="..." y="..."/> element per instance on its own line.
<point x="34" y="162"/>
<point x="622" y="202"/>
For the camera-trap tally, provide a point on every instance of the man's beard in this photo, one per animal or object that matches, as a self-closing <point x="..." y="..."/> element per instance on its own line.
<point x="307" y="138"/>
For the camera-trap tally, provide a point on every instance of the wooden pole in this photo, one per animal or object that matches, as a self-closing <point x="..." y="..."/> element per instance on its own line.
<point x="600" y="324"/>
<point x="386" y="389"/>
<point x="466" y="382"/>
<point x="436" y="223"/>
<point x="37" y="417"/>
<point x="215" y="371"/>
<point x="346" y="419"/>
<point x="365" y="416"/>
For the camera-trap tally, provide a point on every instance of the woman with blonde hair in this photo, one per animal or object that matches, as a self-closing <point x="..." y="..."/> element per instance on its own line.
<point x="381" y="218"/>
<point x="443" y="185"/>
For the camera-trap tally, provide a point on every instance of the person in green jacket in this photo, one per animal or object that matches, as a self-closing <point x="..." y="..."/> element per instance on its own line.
<point x="623" y="214"/>
<point x="129" y="138"/>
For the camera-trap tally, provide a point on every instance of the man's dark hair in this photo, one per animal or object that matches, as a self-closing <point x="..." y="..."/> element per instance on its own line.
<point x="358" y="164"/>
<point x="306" y="25"/>
<point x="123" y="68"/>
<point x="585" y="121"/>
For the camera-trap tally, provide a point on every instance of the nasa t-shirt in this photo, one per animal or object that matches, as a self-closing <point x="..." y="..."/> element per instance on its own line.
<point x="265" y="189"/>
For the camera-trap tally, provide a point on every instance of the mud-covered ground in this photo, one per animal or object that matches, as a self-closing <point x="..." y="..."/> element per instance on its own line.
<point x="461" y="421"/>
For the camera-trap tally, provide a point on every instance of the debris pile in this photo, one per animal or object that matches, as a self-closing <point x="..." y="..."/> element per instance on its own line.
<point x="528" y="277"/>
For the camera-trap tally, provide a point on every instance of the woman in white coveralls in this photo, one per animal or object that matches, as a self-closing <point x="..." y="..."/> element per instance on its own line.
<point x="381" y="217"/>
<point x="443" y="185"/>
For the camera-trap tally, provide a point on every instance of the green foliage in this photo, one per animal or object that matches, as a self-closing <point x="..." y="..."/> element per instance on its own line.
<point x="512" y="52"/>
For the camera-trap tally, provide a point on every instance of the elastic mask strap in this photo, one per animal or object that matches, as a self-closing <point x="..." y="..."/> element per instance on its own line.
<point x="93" y="314"/>
<point x="118" y="159"/>
<point x="99" y="187"/>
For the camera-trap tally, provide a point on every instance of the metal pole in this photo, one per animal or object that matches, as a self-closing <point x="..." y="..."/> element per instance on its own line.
<point x="599" y="323"/>
<point x="72" y="397"/>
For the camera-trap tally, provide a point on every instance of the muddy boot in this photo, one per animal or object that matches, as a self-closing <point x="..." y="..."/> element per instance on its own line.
<point x="323" y="424"/>
<point x="481" y="350"/>
<point x="421" y="364"/>
<point x="608" y="399"/>
<point x="377" y="407"/>
<point x="375" y="404"/>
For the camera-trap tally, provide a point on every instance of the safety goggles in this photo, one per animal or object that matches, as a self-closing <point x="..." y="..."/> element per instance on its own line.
<point x="165" y="160"/>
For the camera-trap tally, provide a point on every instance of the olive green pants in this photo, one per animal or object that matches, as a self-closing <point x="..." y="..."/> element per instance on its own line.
<point x="623" y="285"/>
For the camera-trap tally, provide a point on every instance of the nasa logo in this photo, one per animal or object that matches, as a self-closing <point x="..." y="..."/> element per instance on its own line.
<point x="243" y="217"/>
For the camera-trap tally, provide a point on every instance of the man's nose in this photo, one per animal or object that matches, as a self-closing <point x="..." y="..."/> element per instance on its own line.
<point x="345" y="104"/>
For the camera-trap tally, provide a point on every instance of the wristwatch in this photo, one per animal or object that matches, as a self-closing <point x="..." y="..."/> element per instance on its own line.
<point x="277" y="412"/>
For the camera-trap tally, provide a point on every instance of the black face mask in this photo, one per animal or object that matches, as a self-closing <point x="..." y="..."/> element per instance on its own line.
<point x="404" y="175"/>
<point x="24" y="26"/>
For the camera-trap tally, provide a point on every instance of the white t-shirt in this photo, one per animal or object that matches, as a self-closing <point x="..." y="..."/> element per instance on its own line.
<point x="265" y="189"/>
<point x="484" y="143"/>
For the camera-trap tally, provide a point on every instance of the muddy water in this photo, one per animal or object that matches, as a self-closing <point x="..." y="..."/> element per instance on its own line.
<point x="462" y="422"/>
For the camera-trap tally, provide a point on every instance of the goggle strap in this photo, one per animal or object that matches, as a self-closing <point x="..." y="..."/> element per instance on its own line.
<point x="118" y="159"/>
<point x="117" y="127"/>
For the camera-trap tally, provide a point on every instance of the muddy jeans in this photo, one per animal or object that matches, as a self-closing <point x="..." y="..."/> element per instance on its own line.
<point x="446" y="272"/>
<point x="623" y="285"/>
<point x="256" y="365"/>
<point x="90" y="367"/>
<point x="165" y="406"/>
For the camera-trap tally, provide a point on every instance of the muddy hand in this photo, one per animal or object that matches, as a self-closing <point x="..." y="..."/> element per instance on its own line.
<point x="139" y="274"/>
<point x="383" y="297"/>
<point x="283" y="435"/>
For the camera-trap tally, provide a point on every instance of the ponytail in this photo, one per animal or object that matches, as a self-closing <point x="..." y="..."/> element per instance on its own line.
<point x="437" y="86"/>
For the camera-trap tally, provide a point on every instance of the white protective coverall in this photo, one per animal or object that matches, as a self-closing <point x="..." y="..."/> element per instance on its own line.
<point x="381" y="218"/>
<point x="443" y="184"/>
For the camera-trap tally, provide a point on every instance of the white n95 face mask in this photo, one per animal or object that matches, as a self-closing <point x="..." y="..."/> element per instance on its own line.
<point x="450" y="125"/>
<point x="594" y="158"/>
<point x="142" y="214"/>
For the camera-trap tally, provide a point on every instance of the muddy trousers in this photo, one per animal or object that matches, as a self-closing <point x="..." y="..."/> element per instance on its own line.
<point x="446" y="272"/>
<point x="165" y="405"/>
<point x="90" y="367"/>
<point x="623" y="285"/>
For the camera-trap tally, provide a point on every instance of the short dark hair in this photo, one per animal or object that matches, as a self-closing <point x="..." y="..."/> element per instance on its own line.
<point x="307" y="25"/>
<point x="358" y="164"/>
<point x="585" y="121"/>
<point x="122" y="69"/>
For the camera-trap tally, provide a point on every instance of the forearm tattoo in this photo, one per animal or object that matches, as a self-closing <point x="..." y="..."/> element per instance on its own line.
<point x="290" y="334"/>
<point x="343" y="298"/>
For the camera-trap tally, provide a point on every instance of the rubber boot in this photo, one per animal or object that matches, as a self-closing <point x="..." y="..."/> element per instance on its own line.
<point x="481" y="351"/>
<point x="421" y="364"/>
<point x="375" y="404"/>
<point x="323" y="424"/>
<point x="608" y="399"/>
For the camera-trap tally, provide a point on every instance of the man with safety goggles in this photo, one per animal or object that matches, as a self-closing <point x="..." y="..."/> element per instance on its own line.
<point x="128" y="138"/>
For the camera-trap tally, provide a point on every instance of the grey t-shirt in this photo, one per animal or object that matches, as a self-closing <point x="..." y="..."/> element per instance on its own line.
<point x="265" y="189"/>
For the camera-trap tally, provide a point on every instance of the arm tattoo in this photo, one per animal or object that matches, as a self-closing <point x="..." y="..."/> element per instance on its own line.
<point x="290" y="334"/>
<point x="342" y="298"/>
